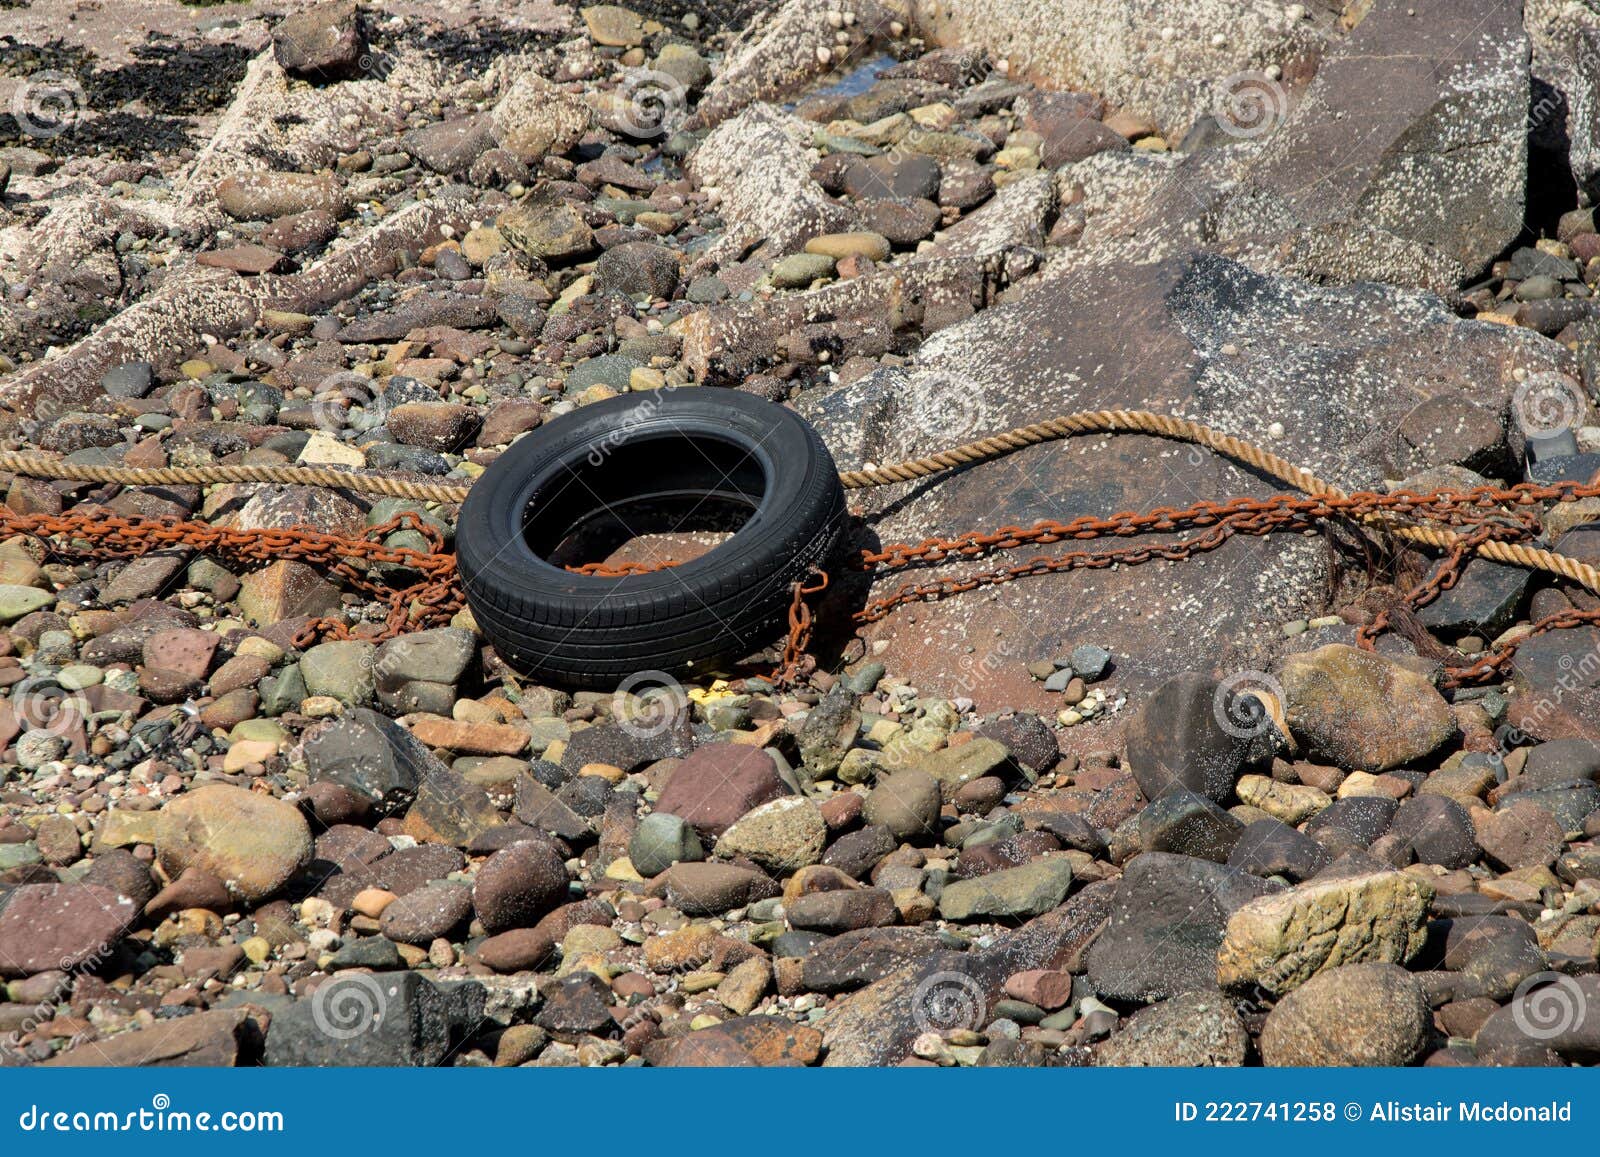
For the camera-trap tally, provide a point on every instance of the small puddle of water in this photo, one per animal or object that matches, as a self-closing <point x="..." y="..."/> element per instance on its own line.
<point x="858" y="79"/>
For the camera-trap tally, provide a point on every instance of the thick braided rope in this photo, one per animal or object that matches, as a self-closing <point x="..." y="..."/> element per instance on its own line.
<point x="1183" y="430"/>
<point x="49" y="466"/>
<point x="984" y="449"/>
<point x="1091" y="422"/>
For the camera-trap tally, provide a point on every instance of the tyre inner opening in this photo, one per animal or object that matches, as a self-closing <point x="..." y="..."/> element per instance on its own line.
<point x="669" y="498"/>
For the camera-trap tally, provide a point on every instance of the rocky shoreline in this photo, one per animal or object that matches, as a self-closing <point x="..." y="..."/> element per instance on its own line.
<point x="1167" y="814"/>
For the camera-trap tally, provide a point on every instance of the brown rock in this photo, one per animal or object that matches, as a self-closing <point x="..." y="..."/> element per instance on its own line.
<point x="440" y="426"/>
<point x="245" y="258"/>
<point x="324" y="42"/>
<point x="175" y="663"/>
<point x="717" y="784"/>
<point x="1046" y="988"/>
<point x="286" y="590"/>
<point x="423" y="916"/>
<point x="1362" y="711"/>
<point x="60" y="926"/>
<point x="1520" y="834"/>
<point x="760" y="1040"/>
<point x="469" y="738"/>
<point x="699" y="889"/>
<point x="220" y="1038"/>
<point x="1362" y="1014"/>
<point x="269" y="195"/>
<point x="300" y="231"/>
<point x="252" y="842"/>
<point x="519" y="885"/>
<point x="193" y="889"/>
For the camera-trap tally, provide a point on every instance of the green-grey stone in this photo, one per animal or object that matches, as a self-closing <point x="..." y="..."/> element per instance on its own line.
<point x="799" y="270"/>
<point x="342" y="670"/>
<point x="660" y="841"/>
<point x="612" y="370"/>
<point x="17" y="601"/>
<point x="18" y="855"/>
<point x="1031" y="890"/>
<point x="285" y="692"/>
<point x="77" y="676"/>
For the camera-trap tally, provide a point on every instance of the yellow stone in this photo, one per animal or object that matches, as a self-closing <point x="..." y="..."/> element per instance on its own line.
<point x="258" y="648"/>
<point x="285" y="321"/>
<point x="598" y="392"/>
<point x="694" y="982"/>
<point x="622" y="869"/>
<point x="372" y="901"/>
<point x="1359" y="783"/>
<point x="1019" y="160"/>
<point x="934" y="116"/>
<point x="579" y="288"/>
<point x="1292" y="803"/>
<point x="482" y="243"/>
<point x="257" y="949"/>
<point x="872" y="246"/>
<point x="322" y="450"/>
<point x="242" y="754"/>
<point x="590" y="938"/>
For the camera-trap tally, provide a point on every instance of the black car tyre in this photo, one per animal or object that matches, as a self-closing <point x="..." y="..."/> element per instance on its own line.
<point x="693" y="459"/>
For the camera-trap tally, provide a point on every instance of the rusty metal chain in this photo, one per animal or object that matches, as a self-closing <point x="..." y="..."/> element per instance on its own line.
<point x="1482" y="515"/>
<point x="1482" y="510"/>
<point x="430" y="601"/>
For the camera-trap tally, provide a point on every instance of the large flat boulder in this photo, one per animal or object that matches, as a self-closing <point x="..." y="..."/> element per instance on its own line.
<point x="1193" y="334"/>
<point x="1425" y="108"/>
